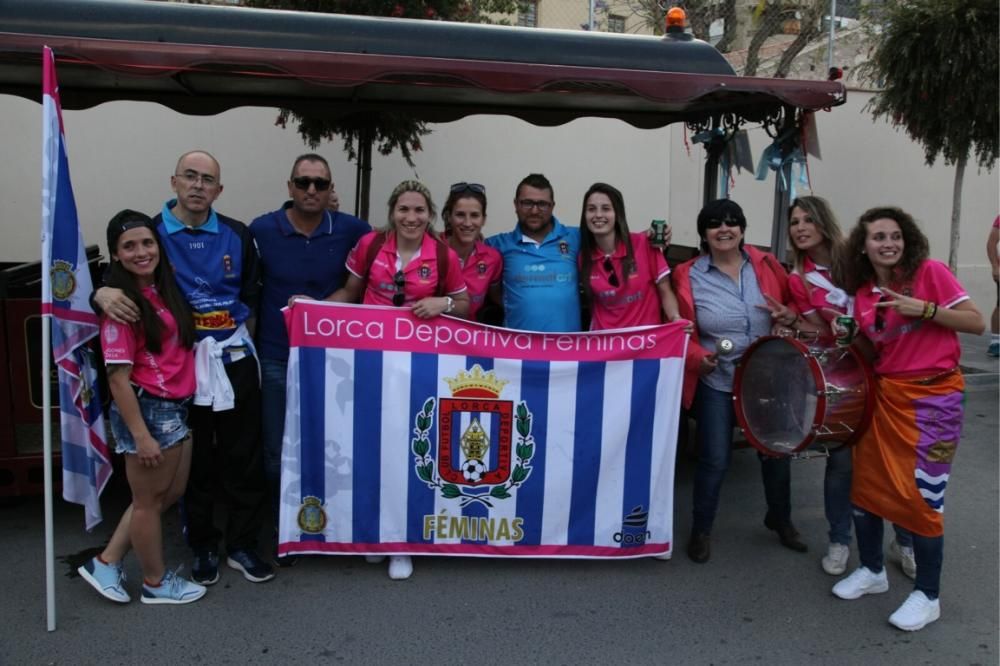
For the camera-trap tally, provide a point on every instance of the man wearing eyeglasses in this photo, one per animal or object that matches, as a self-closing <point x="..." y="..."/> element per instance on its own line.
<point x="540" y="290"/>
<point x="216" y="267"/>
<point x="303" y="248"/>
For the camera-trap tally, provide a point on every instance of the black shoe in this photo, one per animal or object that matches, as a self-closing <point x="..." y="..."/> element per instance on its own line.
<point x="699" y="547"/>
<point x="286" y="562"/>
<point x="205" y="570"/>
<point x="787" y="534"/>
<point x="252" y="567"/>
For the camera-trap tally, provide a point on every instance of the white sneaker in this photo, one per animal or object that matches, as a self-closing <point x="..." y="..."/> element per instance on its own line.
<point x="374" y="559"/>
<point x="916" y="612"/>
<point x="835" y="561"/>
<point x="863" y="581"/>
<point x="400" y="567"/>
<point x="906" y="558"/>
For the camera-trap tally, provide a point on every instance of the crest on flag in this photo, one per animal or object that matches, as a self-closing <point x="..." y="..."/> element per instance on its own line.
<point x="478" y="459"/>
<point x="63" y="278"/>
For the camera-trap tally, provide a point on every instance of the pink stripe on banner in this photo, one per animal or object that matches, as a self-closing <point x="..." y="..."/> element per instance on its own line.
<point x="304" y="547"/>
<point x="70" y="315"/>
<point x="375" y="328"/>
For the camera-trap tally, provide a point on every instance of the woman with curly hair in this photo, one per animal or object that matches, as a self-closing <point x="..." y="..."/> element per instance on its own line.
<point x="911" y="308"/>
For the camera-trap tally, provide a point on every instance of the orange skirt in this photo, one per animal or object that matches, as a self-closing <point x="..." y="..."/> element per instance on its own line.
<point x="902" y="463"/>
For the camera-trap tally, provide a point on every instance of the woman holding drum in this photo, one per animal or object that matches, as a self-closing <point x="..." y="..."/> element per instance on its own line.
<point x="817" y="242"/>
<point x="723" y="291"/>
<point x="910" y="307"/>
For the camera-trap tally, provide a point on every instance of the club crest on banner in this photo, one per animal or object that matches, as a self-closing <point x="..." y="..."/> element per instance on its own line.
<point x="63" y="279"/>
<point x="477" y="457"/>
<point x="312" y="516"/>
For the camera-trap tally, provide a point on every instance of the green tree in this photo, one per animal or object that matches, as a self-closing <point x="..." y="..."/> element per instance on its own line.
<point x="388" y="131"/>
<point x="936" y="65"/>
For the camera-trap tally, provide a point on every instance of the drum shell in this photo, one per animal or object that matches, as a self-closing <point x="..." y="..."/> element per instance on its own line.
<point x="790" y="396"/>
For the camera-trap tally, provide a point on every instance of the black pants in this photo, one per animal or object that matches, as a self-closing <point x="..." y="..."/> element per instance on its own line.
<point x="227" y="462"/>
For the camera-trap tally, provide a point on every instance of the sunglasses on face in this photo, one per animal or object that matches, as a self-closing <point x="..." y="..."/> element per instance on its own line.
<point x="399" y="281"/>
<point x="715" y="224"/>
<point x="458" y="188"/>
<point x="303" y="183"/>
<point x="609" y="268"/>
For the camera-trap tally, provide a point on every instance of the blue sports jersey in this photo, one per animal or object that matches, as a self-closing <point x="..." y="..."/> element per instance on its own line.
<point x="215" y="266"/>
<point x="540" y="291"/>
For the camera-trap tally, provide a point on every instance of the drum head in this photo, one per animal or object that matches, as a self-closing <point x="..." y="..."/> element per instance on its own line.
<point x="776" y="395"/>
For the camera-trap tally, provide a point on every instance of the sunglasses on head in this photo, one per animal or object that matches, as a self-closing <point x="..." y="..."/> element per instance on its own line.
<point x="458" y="188"/>
<point x="715" y="224"/>
<point x="609" y="268"/>
<point x="303" y="183"/>
<point x="399" y="281"/>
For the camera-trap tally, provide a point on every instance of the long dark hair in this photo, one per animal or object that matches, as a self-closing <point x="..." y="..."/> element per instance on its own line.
<point x="855" y="269"/>
<point x="588" y="243"/>
<point x="163" y="279"/>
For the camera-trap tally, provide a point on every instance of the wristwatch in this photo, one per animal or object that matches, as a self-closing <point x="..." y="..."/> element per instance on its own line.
<point x="450" y="304"/>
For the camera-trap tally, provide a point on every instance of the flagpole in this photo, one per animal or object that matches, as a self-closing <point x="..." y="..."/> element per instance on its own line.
<point x="50" y="569"/>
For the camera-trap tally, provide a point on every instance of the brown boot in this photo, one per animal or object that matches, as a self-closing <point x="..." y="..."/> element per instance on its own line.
<point x="699" y="547"/>
<point x="787" y="534"/>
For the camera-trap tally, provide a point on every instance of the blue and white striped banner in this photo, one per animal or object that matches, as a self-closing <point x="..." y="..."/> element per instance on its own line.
<point x="405" y="436"/>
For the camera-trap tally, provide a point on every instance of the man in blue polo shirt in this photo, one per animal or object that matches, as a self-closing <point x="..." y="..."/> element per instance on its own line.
<point x="540" y="291"/>
<point x="216" y="267"/>
<point x="303" y="249"/>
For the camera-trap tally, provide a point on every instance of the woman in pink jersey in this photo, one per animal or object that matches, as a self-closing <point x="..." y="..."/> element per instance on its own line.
<point x="464" y="214"/>
<point x="406" y="265"/>
<point x="817" y="242"/>
<point x="626" y="279"/>
<point x="910" y="308"/>
<point x="151" y="375"/>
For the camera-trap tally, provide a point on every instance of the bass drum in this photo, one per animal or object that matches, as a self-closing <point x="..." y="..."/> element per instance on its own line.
<point x="790" y="396"/>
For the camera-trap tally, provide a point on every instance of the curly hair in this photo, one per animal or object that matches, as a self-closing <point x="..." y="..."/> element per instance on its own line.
<point x="855" y="268"/>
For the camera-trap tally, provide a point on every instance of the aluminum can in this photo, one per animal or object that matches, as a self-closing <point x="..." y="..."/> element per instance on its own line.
<point x="659" y="233"/>
<point x="850" y="328"/>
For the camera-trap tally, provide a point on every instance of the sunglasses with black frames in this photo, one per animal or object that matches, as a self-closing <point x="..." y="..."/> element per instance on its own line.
<point x="458" y="188"/>
<point x="303" y="183"/>
<point x="399" y="282"/>
<point x="609" y="268"/>
<point x="715" y="224"/>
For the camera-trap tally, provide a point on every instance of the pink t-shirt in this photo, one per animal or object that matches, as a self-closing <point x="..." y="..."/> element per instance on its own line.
<point x="420" y="274"/>
<point x="636" y="300"/>
<point x="483" y="269"/>
<point x="813" y="300"/>
<point x="908" y="344"/>
<point x="169" y="374"/>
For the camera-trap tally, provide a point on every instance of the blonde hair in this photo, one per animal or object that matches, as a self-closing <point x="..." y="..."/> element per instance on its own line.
<point x="818" y="210"/>
<point x="419" y="188"/>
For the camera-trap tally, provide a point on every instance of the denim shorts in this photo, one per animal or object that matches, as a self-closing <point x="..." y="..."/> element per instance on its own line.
<point x="165" y="419"/>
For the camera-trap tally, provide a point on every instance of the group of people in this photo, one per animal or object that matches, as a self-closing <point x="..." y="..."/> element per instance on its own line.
<point x="196" y="419"/>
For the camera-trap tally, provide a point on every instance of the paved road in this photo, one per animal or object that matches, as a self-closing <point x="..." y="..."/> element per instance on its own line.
<point x="754" y="602"/>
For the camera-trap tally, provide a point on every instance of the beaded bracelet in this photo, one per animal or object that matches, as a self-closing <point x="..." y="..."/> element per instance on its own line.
<point x="930" y="310"/>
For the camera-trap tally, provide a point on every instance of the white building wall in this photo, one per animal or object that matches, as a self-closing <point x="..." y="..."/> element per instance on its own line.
<point x="122" y="155"/>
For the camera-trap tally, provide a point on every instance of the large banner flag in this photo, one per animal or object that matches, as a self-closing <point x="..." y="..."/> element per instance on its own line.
<point x="424" y="437"/>
<point x="65" y="292"/>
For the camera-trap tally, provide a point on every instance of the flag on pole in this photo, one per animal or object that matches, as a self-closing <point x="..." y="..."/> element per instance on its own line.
<point x="66" y="288"/>
<point x="451" y="438"/>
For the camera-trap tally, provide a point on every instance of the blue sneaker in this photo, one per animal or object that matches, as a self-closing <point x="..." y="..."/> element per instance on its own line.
<point x="994" y="349"/>
<point x="205" y="570"/>
<point x="107" y="579"/>
<point x="252" y="567"/>
<point x="172" y="589"/>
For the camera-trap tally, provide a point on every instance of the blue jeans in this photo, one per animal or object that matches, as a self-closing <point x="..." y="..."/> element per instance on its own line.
<point x="273" y="377"/>
<point x="927" y="551"/>
<point x="714" y="412"/>
<point x="837" y="495"/>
